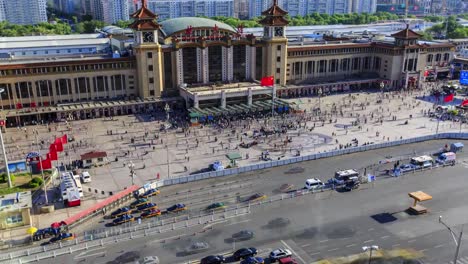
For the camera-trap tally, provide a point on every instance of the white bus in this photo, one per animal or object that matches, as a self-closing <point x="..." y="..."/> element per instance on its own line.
<point x="71" y="189"/>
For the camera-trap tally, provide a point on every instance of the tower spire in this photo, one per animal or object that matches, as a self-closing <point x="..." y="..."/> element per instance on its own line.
<point x="144" y="4"/>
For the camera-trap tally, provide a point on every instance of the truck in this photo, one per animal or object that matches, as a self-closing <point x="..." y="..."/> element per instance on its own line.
<point x="447" y="158"/>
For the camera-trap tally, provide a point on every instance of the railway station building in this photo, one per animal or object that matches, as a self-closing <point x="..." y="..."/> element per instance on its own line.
<point x="199" y="63"/>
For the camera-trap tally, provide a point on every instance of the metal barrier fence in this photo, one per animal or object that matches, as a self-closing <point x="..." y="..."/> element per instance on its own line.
<point x="138" y="231"/>
<point x="270" y="164"/>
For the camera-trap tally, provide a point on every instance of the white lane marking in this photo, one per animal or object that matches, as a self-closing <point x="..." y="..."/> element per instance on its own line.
<point x="368" y="241"/>
<point x="295" y="254"/>
<point x="316" y="253"/>
<point x="396" y="245"/>
<point x="441" y="245"/>
<point x="305" y="245"/>
<point x="411" y="241"/>
<point x="384" y="237"/>
<point x="240" y="222"/>
<point x="370" y="229"/>
<point x="333" y="249"/>
<point x="422" y="250"/>
<point x="323" y="241"/>
<point x="350" y="245"/>
<point x="90" y="255"/>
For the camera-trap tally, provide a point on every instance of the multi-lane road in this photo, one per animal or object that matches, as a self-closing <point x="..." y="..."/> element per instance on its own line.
<point x="321" y="225"/>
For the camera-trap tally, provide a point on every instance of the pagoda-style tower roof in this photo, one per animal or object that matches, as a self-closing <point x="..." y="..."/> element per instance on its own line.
<point x="274" y="16"/>
<point x="406" y="34"/>
<point x="143" y="18"/>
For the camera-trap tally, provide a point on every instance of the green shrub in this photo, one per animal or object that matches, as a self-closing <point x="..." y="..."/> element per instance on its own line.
<point x="4" y="177"/>
<point x="35" y="182"/>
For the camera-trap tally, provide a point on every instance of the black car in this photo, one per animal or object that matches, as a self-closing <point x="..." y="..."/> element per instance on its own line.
<point x="127" y="257"/>
<point x="244" y="253"/>
<point x="212" y="260"/>
<point x="243" y="235"/>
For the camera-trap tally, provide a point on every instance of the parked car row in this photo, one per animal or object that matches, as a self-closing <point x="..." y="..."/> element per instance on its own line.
<point x="249" y="256"/>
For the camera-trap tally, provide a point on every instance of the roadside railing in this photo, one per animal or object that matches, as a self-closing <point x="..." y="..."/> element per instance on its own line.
<point x="117" y="235"/>
<point x="333" y="153"/>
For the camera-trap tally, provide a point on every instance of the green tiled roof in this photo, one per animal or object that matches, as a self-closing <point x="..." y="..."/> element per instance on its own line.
<point x="174" y="25"/>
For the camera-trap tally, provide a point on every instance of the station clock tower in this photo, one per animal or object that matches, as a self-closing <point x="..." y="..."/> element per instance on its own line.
<point x="148" y="52"/>
<point x="274" y="53"/>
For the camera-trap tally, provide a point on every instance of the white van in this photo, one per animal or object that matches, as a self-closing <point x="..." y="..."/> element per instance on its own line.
<point x="312" y="184"/>
<point x="85" y="177"/>
<point x="422" y="161"/>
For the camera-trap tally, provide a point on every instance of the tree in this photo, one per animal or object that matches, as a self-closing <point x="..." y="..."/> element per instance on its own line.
<point x="89" y="26"/>
<point x="123" y="23"/>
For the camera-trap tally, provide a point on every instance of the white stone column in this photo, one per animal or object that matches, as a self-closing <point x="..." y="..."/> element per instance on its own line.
<point x="195" y="101"/>
<point x="249" y="97"/>
<point x="223" y="99"/>
<point x="54" y="91"/>
<point x="205" y="66"/>
<point x="179" y="67"/>
<point x="224" y="72"/>
<point x="199" y="65"/>
<point x="248" y="61"/>
<point x="230" y="63"/>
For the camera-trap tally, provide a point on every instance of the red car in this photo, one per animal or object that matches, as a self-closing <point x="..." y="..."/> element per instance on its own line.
<point x="287" y="260"/>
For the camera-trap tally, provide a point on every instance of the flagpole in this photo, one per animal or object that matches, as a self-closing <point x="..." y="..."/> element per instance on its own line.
<point x="42" y="169"/>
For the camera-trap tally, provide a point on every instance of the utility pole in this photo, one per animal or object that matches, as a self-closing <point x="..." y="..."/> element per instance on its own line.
<point x="42" y="169"/>
<point x="456" y="239"/>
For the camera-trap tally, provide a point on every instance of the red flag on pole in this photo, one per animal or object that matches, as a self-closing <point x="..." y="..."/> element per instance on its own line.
<point x="58" y="145"/>
<point x="465" y="102"/>
<point x="44" y="164"/>
<point x="64" y="139"/>
<point x="52" y="155"/>
<point x="448" y="98"/>
<point x="52" y="148"/>
<point x="267" y="81"/>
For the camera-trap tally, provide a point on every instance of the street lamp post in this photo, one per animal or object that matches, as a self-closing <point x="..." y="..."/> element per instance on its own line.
<point x="131" y="166"/>
<point x="456" y="239"/>
<point x="382" y="86"/>
<point x="4" y="152"/>
<point x="319" y="92"/>
<point x="370" y="249"/>
<point x="167" y="108"/>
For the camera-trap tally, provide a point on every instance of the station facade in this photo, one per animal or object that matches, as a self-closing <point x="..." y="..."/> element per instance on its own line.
<point x="206" y="63"/>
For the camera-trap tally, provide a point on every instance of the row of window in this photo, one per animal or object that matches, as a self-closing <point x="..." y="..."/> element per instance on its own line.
<point x="71" y="68"/>
<point x="438" y="56"/>
<point x="335" y="65"/>
<point x="64" y="86"/>
<point x="35" y="52"/>
<point x="330" y="51"/>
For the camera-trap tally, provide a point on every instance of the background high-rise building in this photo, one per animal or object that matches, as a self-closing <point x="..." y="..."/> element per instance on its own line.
<point x="421" y="7"/>
<point x="25" y="12"/>
<point x="115" y="10"/>
<point x="65" y="6"/>
<point x="305" y="7"/>
<point x="186" y="8"/>
<point x="241" y="9"/>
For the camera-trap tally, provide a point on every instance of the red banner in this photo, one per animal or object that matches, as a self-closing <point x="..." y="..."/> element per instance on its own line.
<point x="44" y="164"/>
<point x="64" y="139"/>
<point x="58" y="145"/>
<point x="52" y="155"/>
<point x="267" y="81"/>
<point x="448" y="98"/>
<point x="465" y="102"/>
